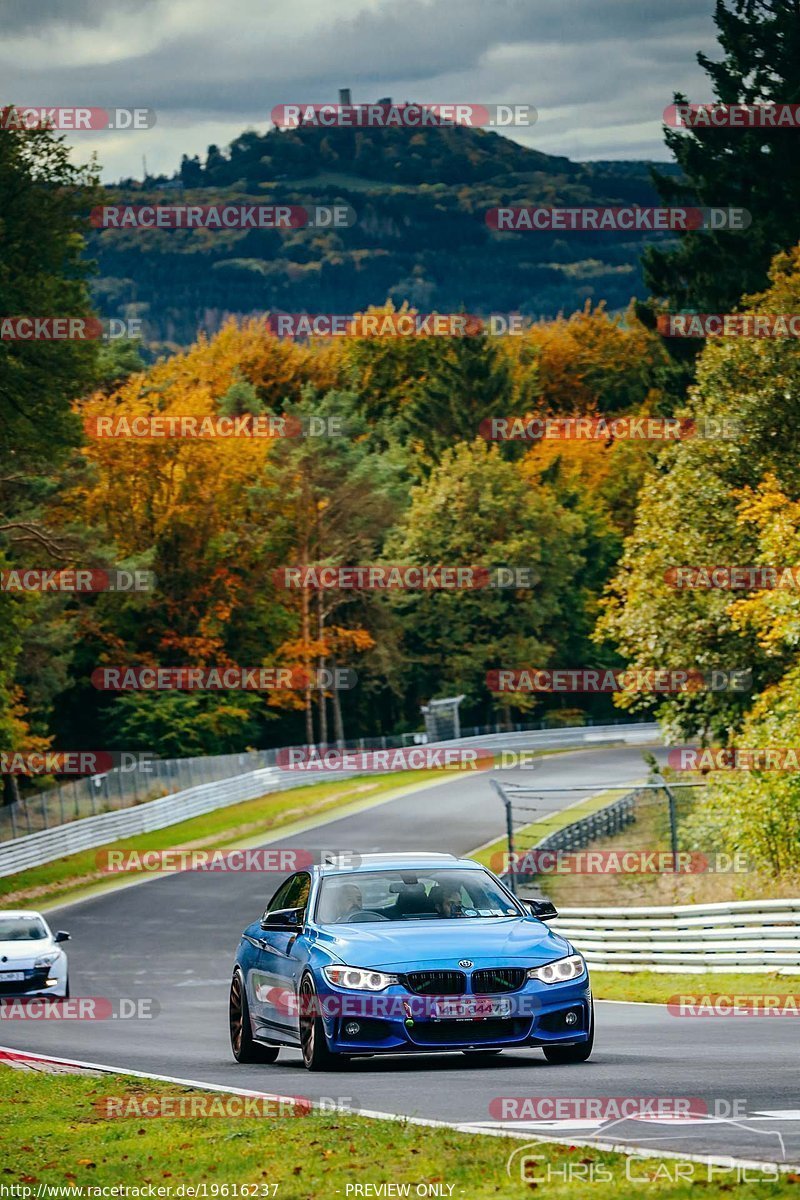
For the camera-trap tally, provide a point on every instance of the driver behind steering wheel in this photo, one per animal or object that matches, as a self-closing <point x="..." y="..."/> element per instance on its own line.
<point x="446" y="899"/>
<point x="350" y="901"/>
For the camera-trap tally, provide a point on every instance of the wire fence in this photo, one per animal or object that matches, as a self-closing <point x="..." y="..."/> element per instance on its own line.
<point x="150" y="778"/>
<point x="639" y="832"/>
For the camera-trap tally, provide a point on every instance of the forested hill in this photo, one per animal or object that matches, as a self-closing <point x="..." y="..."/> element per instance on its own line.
<point x="420" y="234"/>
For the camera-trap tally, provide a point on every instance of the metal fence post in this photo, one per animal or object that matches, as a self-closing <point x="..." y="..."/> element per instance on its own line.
<point x="673" y="820"/>
<point x="509" y="832"/>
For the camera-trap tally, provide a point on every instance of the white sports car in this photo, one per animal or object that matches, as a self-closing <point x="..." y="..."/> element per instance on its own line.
<point x="32" y="962"/>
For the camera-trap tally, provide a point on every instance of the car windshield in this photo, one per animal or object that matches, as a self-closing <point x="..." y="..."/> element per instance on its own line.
<point x="426" y="895"/>
<point x="22" y="929"/>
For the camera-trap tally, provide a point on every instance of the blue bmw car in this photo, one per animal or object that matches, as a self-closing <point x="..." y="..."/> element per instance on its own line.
<point x="406" y="953"/>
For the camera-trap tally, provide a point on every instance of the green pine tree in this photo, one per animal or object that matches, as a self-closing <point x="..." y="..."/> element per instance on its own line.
<point x="755" y="169"/>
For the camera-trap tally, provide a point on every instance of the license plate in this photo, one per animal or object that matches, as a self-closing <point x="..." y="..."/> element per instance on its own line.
<point x="470" y="1010"/>
<point x="11" y="976"/>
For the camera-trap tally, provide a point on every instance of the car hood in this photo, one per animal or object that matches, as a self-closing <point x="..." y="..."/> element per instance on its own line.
<point x="440" y="945"/>
<point x="19" y="954"/>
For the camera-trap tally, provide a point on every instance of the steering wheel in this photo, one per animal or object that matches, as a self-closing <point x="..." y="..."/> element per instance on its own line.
<point x="364" y="915"/>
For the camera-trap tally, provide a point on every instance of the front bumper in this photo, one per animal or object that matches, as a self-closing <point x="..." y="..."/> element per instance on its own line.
<point x="45" y="981"/>
<point x="397" y="1021"/>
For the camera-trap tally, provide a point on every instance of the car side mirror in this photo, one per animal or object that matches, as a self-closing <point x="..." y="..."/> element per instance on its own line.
<point x="543" y="910"/>
<point x="283" y="918"/>
<point x="62" y="936"/>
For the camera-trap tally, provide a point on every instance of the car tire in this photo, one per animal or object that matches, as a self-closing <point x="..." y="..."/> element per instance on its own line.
<point x="66" y="989"/>
<point x="563" y="1055"/>
<point x="313" y="1042"/>
<point x="244" y="1048"/>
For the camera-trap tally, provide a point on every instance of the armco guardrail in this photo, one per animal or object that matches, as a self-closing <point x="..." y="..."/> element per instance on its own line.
<point x="34" y="849"/>
<point x="50" y="844"/>
<point x="742" y="936"/>
<point x="140" y="778"/>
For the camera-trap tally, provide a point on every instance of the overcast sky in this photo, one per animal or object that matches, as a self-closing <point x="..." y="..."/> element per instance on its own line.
<point x="599" y="72"/>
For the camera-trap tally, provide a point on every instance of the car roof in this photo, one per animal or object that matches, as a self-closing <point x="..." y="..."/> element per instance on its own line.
<point x="18" y="912"/>
<point x="417" y="861"/>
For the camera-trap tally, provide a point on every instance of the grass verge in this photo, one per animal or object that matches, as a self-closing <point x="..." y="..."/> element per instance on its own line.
<point x="51" y="1134"/>
<point x="655" y="988"/>
<point x="651" y="832"/>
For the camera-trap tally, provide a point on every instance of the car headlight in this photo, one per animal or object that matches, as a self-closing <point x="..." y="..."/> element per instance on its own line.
<point x="46" y="960"/>
<point x="559" y="971"/>
<point x="354" y="977"/>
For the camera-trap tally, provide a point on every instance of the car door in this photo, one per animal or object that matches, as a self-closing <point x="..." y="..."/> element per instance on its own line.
<point x="276" y="972"/>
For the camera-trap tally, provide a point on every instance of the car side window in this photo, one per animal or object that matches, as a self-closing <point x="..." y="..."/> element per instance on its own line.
<point x="277" y="900"/>
<point x="298" y="893"/>
<point x="293" y="893"/>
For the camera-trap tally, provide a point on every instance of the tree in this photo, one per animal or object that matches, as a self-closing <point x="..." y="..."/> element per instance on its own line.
<point x="755" y="169"/>
<point x="468" y="380"/>
<point x="477" y="509"/>
<point x="757" y="812"/>
<point x="591" y="362"/>
<point x="694" y="511"/>
<point x="331" y="500"/>
<point x="43" y="204"/>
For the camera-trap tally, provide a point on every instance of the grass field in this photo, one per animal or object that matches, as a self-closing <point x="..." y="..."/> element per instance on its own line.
<point x="52" y="1134"/>
<point x="658" y="989"/>
<point x="651" y="832"/>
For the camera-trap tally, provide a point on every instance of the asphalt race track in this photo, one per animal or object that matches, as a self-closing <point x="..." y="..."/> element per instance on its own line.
<point x="174" y="939"/>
